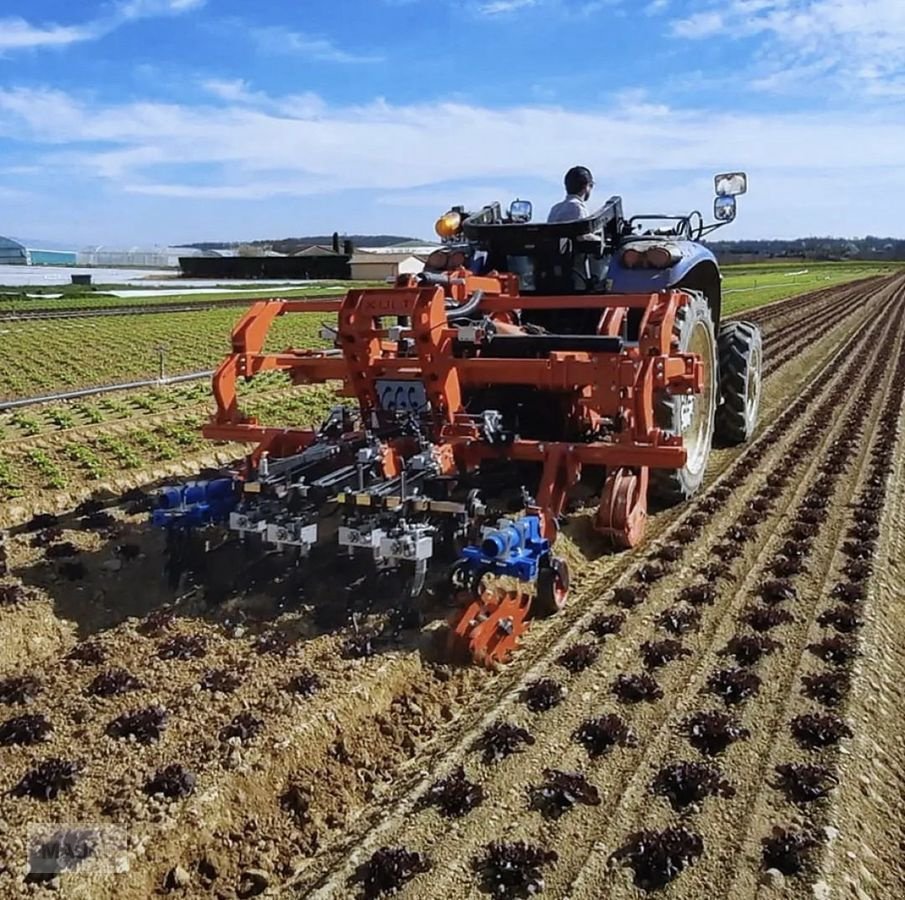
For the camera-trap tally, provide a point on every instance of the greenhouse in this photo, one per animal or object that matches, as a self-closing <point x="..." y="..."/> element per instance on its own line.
<point x="16" y="253"/>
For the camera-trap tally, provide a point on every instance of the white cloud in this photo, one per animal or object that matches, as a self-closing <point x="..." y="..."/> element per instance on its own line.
<point x="238" y="91"/>
<point x="247" y="161"/>
<point x="18" y="34"/>
<point x="699" y="25"/>
<point x="501" y="7"/>
<point x="14" y="194"/>
<point x="273" y="39"/>
<point x="442" y="197"/>
<point x="139" y="9"/>
<point x="302" y="147"/>
<point x="569" y="9"/>
<point x="859" y="43"/>
<point x="235" y="90"/>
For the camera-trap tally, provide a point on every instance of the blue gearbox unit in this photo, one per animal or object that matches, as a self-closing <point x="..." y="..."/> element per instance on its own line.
<point x="195" y="503"/>
<point x="514" y="548"/>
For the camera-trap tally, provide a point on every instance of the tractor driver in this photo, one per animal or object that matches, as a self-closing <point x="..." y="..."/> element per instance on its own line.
<point x="579" y="183"/>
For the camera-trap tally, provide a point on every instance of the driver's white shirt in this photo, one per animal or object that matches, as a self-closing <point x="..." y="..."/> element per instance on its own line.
<point x="568" y="210"/>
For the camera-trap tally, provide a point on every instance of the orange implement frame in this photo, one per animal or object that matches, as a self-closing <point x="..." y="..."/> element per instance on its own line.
<point x="595" y="386"/>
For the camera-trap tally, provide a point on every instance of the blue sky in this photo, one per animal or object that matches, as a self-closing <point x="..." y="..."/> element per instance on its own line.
<point x="155" y="121"/>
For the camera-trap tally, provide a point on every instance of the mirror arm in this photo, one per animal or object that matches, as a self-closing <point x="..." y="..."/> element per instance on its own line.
<point x="713" y="226"/>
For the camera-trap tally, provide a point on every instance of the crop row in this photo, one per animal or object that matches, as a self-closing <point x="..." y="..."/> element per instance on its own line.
<point x="134" y="446"/>
<point x="504" y="867"/>
<point x="655" y="855"/>
<point x="824" y="676"/>
<point x="52" y="418"/>
<point x="56" y="355"/>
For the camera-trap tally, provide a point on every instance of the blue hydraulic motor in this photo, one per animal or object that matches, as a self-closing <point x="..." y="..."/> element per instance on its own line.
<point x="514" y="548"/>
<point x="195" y="503"/>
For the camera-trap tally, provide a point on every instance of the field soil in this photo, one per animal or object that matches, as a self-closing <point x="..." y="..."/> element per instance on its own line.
<point x="723" y="715"/>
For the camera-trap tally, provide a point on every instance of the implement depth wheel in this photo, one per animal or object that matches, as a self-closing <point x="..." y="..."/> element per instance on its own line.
<point x="552" y="589"/>
<point x="691" y="417"/>
<point x="622" y="515"/>
<point x="741" y="354"/>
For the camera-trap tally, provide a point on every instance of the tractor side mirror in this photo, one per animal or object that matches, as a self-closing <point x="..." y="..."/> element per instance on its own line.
<point x="520" y="211"/>
<point x="724" y="208"/>
<point x="731" y="184"/>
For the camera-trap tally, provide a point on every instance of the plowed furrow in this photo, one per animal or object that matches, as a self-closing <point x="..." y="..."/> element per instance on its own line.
<point x="724" y="870"/>
<point x="866" y="810"/>
<point x="506" y="784"/>
<point x="355" y="758"/>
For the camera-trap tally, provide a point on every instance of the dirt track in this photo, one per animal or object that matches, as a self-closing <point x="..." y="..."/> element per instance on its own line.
<point x="335" y="776"/>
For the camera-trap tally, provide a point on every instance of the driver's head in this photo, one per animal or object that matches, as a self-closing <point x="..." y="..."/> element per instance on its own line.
<point x="579" y="181"/>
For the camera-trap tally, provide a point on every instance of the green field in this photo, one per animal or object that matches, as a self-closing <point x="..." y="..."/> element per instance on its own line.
<point x="749" y="285"/>
<point x="60" y="447"/>
<point x="76" y="298"/>
<point x="64" y="446"/>
<point x="56" y="355"/>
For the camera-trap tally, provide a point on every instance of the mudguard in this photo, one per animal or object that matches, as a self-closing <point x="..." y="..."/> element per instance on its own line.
<point x="637" y="281"/>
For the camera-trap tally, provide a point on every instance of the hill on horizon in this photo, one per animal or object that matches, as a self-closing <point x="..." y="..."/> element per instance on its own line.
<point x="870" y="247"/>
<point x="294" y="244"/>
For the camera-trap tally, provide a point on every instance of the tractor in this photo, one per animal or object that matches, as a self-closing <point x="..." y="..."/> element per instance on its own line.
<point x="528" y="363"/>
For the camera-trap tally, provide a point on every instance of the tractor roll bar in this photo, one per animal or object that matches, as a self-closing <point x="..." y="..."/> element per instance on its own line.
<point x="519" y="235"/>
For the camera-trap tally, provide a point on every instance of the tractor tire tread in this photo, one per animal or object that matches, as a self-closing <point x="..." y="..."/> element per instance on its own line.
<point x="736" y="342"/>
<point x="670" y="487"/>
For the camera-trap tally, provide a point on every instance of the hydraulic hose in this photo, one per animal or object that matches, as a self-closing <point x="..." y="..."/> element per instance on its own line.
<point x="442" y="279"/>
<point x="467" y="308"/>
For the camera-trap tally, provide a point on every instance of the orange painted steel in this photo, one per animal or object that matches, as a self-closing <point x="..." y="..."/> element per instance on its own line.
<point x="608" y="393"/>
<point x="489" y="628"/>
<point x="622" y="515"/>
<point x="597" y="386"/>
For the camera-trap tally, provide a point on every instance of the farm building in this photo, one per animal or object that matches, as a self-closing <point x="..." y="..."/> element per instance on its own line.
<point x="416" y="248"/>
<point x="143" y="257"/>
<point x="380" y="266"/>
<point x="17" y="253"/>
<point x="317" y="250"/>
<point x="318" y="266"/>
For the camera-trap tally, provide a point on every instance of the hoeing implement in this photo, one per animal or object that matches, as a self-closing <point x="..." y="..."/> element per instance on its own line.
<point x="514" y="372"/>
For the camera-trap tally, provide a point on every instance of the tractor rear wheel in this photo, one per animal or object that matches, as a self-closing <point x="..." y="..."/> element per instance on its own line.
<point x="691" y="417"/>
<point x="740" y="349"/>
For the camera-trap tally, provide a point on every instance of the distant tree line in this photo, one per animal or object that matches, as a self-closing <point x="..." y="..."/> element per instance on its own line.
<point x="828" y="248"/>
<point x="867" y="248"/>
<point x="292" y="245"/>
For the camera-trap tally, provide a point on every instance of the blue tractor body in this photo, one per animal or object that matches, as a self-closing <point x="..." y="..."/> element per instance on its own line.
<point x="637" y="281"/>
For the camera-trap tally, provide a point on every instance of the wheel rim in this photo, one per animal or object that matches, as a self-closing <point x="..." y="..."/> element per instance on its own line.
<point x="553" y="585"/>
<point x="695" y="413"/>
<point x="752" y="385"/>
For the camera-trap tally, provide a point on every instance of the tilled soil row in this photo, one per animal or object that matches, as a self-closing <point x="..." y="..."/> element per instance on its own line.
<point x="778" y="601"/>
<point x="865" y="860"/>
<point x="453" y="845"/>
<point x="808" y="317"/>
<point x="761" y="314"/>
<point x="801" y="773"/>
<point x="269" y="736"/>
<point x="367" y="719"/>
<point x="783" y="343"/>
